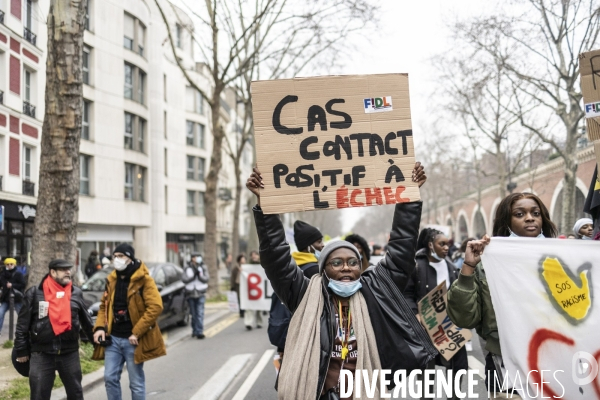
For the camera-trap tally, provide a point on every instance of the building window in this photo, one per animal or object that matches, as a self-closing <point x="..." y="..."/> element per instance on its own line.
<point x="194" y="134"/>
<point x="135" y="132"/>
<point x="28" y="86"/>
<point x="194" y="101"/>
<point x="201" y="169"/>
<point x="191" y="202"/>
<point x="135" y="182"/>
<point x="191" y="170"/>
<point x="179" y="36"/>
<point x="165" y="123"/>
<point x="27" y="157"/>
<point x="190" y="135"/>
<point x="195" y="168"/>
<point x="128" y="32"/>
<point x="165" y="87"/>
<point x="129" y="131"/>
<point x="199" y="103"/>
<point x="28" y="12"/>
<point x="135" y="83"/>
<point x="128" y="81"/>
<point x="141" y="83"/>
<point x="166" y="166"/>
<point x="87" y="14"/>
<point x="141" y="131"/>
<point x="195" y="203"/>
<point x="134" y="34"/>
<point x="200" y="129"/>
<point x="166" y="199"/>
<point x="84" y="174"/>
<point x="86" y="64"/>
<point x="129" y="172"/>
<point x="85" y="120"/>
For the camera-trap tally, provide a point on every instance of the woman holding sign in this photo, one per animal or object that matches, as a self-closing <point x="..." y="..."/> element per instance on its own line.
<point x="469" y="300"/>
<point x="433" y="268"/>
<point x="343" y="320"/>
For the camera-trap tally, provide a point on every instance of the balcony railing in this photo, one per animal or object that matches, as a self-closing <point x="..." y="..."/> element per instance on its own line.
<point x="1" y="17"/>
<point x="29" y="36"/>
<point x="28" y="188"/>
<point x="28" y="109"/>
<point x="1" y="96"/>
<point x="1" y="182"/>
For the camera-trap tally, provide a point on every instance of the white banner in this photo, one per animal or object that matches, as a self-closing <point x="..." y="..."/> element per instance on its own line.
<point x="543" y="295"/>
<point x="255" y="288"/>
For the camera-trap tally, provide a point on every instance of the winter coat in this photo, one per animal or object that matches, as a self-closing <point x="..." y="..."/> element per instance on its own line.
<point x="34" y="334"/>
<point x="144" y="306"/>
<point x="401" y="341"/>
<point x="196" y="283"/>
<point x="16" y="279"/>
<point x="424" y="279"/>
<point x="470" y="306"/>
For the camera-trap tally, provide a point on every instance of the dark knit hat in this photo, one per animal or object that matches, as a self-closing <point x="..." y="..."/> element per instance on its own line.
<point x="125" y="249"/>
<point x="334" y="245"/>
<point x="305" y="234"/>
<point x="59" y="263"/>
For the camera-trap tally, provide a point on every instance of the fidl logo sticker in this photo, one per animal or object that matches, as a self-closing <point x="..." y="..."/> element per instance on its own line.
<point x="378" y="104"/>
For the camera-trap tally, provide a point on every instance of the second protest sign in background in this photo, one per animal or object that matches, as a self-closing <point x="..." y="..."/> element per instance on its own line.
<point x="334" y="142"/>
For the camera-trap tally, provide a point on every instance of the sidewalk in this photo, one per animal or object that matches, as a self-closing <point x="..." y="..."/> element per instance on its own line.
<point x="213" y="313"/>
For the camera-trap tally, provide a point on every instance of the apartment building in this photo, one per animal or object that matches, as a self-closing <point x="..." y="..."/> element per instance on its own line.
<point x="23" y="41"/>
<point x="145" y="144"/>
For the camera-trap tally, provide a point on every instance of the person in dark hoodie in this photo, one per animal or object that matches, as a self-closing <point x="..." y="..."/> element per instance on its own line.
<point x="344" y="319"/>
<point x="433" y="268"/>
<point x="309" y="241"/>
<point x="47" y="332"/>
<point x="11" y="280"/>
<point x="128" y="312"/>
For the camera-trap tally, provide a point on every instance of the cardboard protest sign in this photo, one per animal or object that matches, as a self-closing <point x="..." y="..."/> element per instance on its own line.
<point x="445" y="336"/>
<point x="589" y="71"/>
<point x="232" y="301"/>
<point x="255" y="288"/>
<point x="334" y="142"/>
<point x="543" y="292"/>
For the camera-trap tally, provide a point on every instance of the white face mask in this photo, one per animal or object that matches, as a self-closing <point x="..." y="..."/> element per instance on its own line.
<point x="514" y="235"/>
<point x="120" y="263"/>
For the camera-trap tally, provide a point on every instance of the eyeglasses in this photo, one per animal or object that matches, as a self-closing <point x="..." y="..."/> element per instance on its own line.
<point x="339" y="263"/>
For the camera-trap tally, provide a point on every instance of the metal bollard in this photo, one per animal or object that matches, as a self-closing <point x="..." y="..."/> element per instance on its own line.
<point x="11" y="315"/>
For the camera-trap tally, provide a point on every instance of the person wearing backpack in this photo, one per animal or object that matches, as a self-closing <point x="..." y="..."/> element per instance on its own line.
<point x="309" y="242"/>
<point x="195" y="276"/>
<point x="126" y="330"/>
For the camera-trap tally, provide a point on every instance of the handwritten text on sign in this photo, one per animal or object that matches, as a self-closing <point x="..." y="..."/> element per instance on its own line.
<point x="445" y="336"/>
<point x="334" y="142"/>
<point x="255" y="288"/>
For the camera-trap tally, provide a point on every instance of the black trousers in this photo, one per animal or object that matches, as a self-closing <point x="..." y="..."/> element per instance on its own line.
<point x="42" y="371"/>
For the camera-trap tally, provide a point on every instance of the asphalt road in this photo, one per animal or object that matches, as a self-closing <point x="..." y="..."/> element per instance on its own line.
<point x="231" y="364"/>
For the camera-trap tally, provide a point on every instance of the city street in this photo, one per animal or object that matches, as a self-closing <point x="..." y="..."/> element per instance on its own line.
<point x="231" y="364"/>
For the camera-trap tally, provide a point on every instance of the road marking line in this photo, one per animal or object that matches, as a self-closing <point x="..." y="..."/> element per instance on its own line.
<point x="220" y="381"/>
<point x="213" y="330"/>
<point x="251" y="379"/>
<point x="476" y="365"/>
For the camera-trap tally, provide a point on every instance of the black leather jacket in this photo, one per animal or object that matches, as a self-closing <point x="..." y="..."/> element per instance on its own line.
<point x="402" y="342"/>
<point x="36" y="335"/>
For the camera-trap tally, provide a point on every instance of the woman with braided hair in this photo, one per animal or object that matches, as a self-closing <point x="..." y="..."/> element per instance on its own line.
<point x="433" y="268"/>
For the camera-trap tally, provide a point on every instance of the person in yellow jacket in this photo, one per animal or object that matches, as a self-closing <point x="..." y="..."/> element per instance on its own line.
<point x="126" y="329"/>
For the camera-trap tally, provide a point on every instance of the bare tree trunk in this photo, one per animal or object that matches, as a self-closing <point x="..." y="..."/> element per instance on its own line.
<point x="235" y="241"/>
<point x="212" y="179"/>
<point x="55" y="226"/>
<point x="569" y="189"/>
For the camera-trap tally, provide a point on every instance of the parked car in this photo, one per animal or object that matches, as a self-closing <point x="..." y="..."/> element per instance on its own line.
<point x="168" y="281"/>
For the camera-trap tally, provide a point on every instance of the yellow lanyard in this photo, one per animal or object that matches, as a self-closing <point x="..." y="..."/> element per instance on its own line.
<point x="345" y="337"/>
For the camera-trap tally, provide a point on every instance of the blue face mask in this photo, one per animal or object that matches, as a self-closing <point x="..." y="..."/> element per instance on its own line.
<point x="434" y="254"/>
<point x="344" y="289"/>
<point x="586" y="237"/>
<point x="514" y="235"/>
<point x="317" y="253"/>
